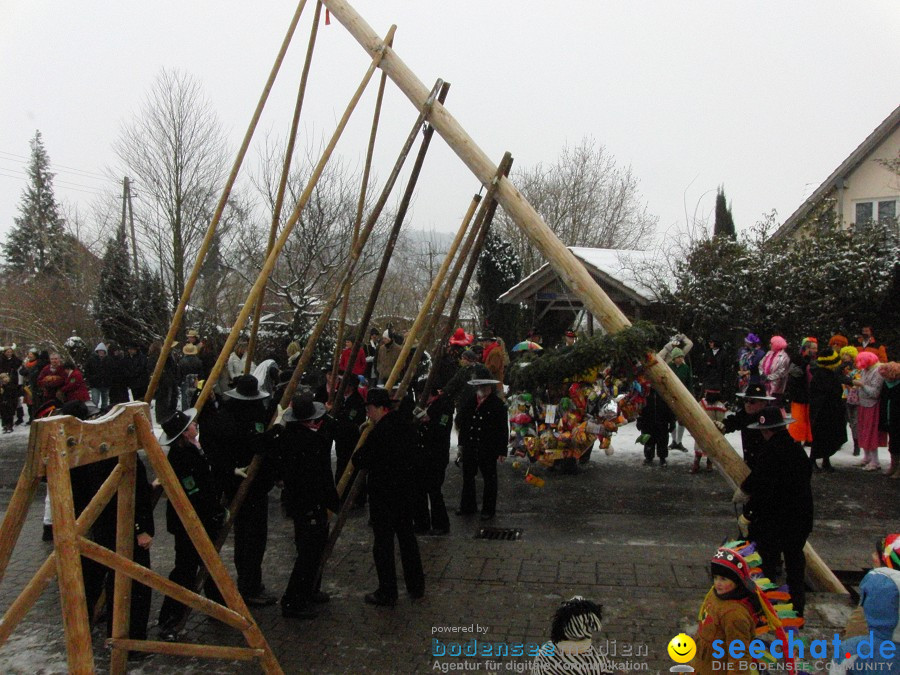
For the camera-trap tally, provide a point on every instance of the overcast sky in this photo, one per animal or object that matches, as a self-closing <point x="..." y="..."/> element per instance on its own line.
<point x="765" y="97"/>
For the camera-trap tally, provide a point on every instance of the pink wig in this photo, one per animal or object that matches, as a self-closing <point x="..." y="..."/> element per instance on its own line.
<point x="777" y="343"/>
<point x="865" y="360"/>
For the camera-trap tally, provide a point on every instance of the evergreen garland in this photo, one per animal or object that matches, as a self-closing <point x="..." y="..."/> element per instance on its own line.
<point x="618" y="351"/>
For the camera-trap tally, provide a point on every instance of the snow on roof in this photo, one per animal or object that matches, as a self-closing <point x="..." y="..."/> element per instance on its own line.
<point x="627" y="268"/>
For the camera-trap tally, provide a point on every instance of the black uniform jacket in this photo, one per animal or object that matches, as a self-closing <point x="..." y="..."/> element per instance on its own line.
<point x="390" y="455"/>
<point x="303" y="460"/>
<point x="781" y="503"/>
<point x="484" y="426"/>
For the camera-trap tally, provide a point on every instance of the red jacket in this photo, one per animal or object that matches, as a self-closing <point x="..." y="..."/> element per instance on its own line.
<point x="359" y="367"/>
<point x="75" y="389"/>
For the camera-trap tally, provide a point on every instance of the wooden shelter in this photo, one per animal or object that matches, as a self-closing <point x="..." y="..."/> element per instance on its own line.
<point x="622" y="274"/>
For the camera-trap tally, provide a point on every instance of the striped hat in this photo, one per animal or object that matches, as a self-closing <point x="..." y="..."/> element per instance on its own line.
<point x="828" y="358"/>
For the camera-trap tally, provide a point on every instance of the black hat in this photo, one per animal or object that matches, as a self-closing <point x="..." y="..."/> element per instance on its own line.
<point x="176" y="425"/>
<point x="756" y="391"/>
<point x="380" y="398"/>
<point x="246" y="388"/>
<point x="771" y="418"/>
<point x="303" y="408"/>
<point x="482" y="382"/>
<point x="470" y="355"/>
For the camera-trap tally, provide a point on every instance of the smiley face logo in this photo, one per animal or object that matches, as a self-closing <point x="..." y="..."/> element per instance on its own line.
<point x="682" y="648"/>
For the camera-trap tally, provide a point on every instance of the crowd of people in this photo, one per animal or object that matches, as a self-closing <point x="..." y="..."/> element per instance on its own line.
<point x="833" y="394"/>
<point x="788" y="398"/>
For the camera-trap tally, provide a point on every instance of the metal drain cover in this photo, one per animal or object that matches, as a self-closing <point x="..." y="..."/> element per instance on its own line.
<point x="499" y="533"/>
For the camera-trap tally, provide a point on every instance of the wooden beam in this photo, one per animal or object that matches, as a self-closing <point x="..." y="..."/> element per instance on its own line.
<point x="563" y="261"/>
<point x="68" y="561"/>
<point x="122" y="586"/>
<point x="187" y="649"/>
<point x="46" y="572"/>
<point x="160" y="583"/>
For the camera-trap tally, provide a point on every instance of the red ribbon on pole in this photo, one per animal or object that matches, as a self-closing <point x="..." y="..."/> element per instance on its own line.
<point x="327" y="17"/>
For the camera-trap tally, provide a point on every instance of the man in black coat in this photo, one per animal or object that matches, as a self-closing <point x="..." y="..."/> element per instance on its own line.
<point x="243" y="419"/>
<point x="754" y="401"/>
<point x="193" y="471"/>
<point x="389" y="455"/>
<point x="827" y="416"/>
<point x="780" y="506"/>
<point x="430" y="515"/>
<point x="483" y="438"/>
<point x="302" y="452"/>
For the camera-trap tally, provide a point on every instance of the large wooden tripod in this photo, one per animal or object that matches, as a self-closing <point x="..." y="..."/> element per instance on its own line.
<point x="59" y="444"/>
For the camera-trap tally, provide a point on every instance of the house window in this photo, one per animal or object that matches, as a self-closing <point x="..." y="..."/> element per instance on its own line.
<point x="876" y="210"/>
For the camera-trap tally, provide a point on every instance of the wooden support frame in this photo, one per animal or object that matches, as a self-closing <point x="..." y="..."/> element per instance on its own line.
<point x="57" y="445"/>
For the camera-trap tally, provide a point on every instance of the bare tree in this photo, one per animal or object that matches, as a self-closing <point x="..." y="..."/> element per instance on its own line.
<point x="586" y="198"/>
<point x="175" y="151"/>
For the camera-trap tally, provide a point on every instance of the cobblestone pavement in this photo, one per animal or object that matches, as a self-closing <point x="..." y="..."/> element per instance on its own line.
<point x="636" y="539"/>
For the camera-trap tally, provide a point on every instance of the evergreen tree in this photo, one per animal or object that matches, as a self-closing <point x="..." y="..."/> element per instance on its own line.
<point x="37" y="243"/>
<point x="724" y="225"/>
<point x="499" y="269"/>
<point x="150" y="305"/>
<point x="113" y="305"/>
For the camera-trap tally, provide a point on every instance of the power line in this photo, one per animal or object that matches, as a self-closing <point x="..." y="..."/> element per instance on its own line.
<point x="25" y="179"/>
<point x="56" y="181"/>
<point x="87" y="174"/>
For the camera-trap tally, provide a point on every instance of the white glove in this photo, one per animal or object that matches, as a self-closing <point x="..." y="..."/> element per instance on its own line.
<point x="719" y="425"/>
<point x="241" y="471"/>
<point x="740" y="497"/>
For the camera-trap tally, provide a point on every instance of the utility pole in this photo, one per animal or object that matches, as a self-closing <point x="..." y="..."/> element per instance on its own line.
<point x="127" y="198"/>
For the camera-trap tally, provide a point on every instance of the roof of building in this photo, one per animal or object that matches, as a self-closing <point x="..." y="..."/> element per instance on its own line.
<point x="622" y="269"/>
<point x="857" y="157"/>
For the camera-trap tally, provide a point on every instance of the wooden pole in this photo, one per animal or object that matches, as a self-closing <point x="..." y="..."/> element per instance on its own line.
<point x="134" y="251"/>
<point x="438" y="308"/>
<point x="267" y="267"/>
<point x="478" y="229"/>
<point x="282" y="182"/>
<point x="561" y="259"/>
<point x="186" y="649"/>
<point x="220" y="207"/>
<point x="505" y="166"/>
<point x="440" y="89"/>
<point x="23" y="495"/>
<point x="256" y="463"/>
<point x="360" y="206"/>
<point x="68" y="561"/>
<point x="413" y="332"/>
<point x="122" y="587"/>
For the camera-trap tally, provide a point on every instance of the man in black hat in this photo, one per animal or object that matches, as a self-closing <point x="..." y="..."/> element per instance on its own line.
<point x="434" y="428"/>
<point x="193" y="471"/>
<point x="389" y="455"/>
<point x="302" y="452"/>
<point x="241" y="423"/>
<point x="780" y="506"/>
<point x="470" y="368"/>
<point x="755" y="400"/>
<point x="483" y="437"/>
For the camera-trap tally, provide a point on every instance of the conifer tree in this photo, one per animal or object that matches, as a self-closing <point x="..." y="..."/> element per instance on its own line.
<point x="37" y="243"/>
<point x="499" y="269"/>
<point x="113" y="308"/>
<point x="150" y="305"/>
<point x="724" y="225"/>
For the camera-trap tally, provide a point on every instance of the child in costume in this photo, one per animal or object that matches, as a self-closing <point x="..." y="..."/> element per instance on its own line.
<point x="735" y="608"/>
